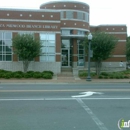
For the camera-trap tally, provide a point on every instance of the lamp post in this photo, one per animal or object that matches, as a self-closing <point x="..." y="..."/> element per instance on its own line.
<point x="89" y="49"/>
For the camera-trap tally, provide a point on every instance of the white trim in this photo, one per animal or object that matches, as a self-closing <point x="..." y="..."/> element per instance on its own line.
<point x="121" y="40"/>
<point x="31" y="10"/>
<point x="118" y="55"/>
<point x="80" y="29"/>
<point x="113" y="25"/>
<point x="58" y="53"/>
<point x="117" y="32"/>
<point x="74" y="20"/>
<point x="73" y="10"/>
<point x="20" y="20"/>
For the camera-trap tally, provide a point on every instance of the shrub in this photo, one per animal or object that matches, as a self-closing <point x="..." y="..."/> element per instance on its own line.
<point x="27" y="75"/>
<point x="100" y="77"/>
<point x="37" y="75"/>
<point x="17" y="75"/>
<point x="126" y="77"/>
<point x="48" y="72"/>
<point x="117" y="77"/>
<point x="47" y="76"/>
<point x="1" y="75"/>
<point x="7" y="75"/>
<point x="105" y="77"/>
<point x="104" y="74"/>
<point x="82" y="74"/>
<point x="111" y="77"/>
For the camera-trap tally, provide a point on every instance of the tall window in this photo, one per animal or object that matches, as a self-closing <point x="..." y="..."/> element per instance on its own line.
<point x="69" y="15"/>
<point x="5" y="46"/>
<point x="80" y="53"/>
<point x="48" y="47"/>
<point x="80" y="15"/>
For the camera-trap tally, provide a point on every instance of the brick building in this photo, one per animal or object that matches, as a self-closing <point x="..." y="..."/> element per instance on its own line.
<point x="60" y="25"/>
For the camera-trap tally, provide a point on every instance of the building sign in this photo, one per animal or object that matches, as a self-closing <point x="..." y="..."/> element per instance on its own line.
<point x="27" y="26"/>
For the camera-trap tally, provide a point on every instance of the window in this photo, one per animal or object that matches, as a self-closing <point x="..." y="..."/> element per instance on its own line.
<point x="61" y="14"/>
<point x="80" y="53"/>
<point x="80" y="15"/>
<point x="48" y="47"/>
<point x="5" y="46"/>
<point x="69" y="14"/>
<point x="86" y="17"/>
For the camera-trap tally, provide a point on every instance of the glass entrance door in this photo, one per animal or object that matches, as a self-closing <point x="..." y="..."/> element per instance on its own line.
<point x="65" y="57"/>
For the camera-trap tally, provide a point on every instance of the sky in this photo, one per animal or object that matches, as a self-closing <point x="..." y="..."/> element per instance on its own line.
<point x="101" y="11"/>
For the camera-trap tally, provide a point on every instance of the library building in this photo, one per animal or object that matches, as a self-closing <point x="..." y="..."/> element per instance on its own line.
<point x="61" y="26"/>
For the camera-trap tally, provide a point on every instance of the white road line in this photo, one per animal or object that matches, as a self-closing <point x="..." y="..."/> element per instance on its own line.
<point x="58" y="99"/>
<point x="92" y="115"/>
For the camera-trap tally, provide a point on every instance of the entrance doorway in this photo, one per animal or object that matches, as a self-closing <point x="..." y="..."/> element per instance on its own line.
<point x="66" y="57"/>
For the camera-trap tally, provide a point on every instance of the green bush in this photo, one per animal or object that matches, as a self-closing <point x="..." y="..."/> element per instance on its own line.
<point x="104" y="74"/>
<point x="18" y="75"/>
<point x="117" y="77"/>
<point x="48" y="72"/>
<point x="100" y="77"/>
<point x="111" y="77"/>
<point x="126" y="77"/>
<point x="37" y="75"/>
<point x="47" y="76"/>
<point x="27" y="75"/>
<point x="82" y="74"/>
<point x="105" y="77"/>
<point x="1" y="75"/>
<point x="7" y="75"/>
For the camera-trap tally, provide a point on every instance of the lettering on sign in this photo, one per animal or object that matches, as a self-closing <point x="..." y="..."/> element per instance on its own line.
<point x="28" y="26"/>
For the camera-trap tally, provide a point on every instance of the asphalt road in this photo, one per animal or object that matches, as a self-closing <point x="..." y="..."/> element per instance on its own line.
<point x="63" y="106"/>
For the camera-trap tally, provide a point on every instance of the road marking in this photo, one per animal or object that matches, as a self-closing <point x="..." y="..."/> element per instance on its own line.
<point x="70" y="90"/>
<point x="86" y="94"/>
<point x="60" y="99"/>
<point x="92" y="115"/>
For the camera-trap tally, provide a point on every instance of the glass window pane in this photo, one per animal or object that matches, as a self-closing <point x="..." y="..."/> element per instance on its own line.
<point x="43" y="43"/>
<point x="43" y="36"/>
<point x="0" y="35"/>
<point x="51" y="58"/>
<point x="81" y="51"/>
<point x="0" y="49"/>
<point x="8" y="58"/>
<point x="8" y="42"/>
<point x="0" y="57"/>
<point x="51" y="50"/>
<point x="43" y="58"/>
<point x="65" y="43"/>
<point x="81" y="61"/>
<point x="51" y="43"/>
<point x="51" y="36"/>
<point x="4" y="57"/>
<point x="44" y="49"/>
<point x="1" y="42"/>
<point x="7" y="35"/>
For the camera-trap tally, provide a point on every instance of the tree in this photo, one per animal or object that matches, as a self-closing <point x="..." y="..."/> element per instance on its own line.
<point x="128" y="49"/>
<point x="26" y="47"/>
<point x="102" y="45"/>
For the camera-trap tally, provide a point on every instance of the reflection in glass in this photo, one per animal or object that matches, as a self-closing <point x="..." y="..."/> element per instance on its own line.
<point x="64" y="57"/>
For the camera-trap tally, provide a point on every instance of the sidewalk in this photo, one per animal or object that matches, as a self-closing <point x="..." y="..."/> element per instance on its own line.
<point x="65" y="80"/>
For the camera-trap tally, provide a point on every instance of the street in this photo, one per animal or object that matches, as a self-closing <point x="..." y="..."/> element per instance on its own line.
<point x="64" y="106"/>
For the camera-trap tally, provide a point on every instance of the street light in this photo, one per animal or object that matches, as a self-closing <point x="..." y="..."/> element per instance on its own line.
<point x="89" y="49"/>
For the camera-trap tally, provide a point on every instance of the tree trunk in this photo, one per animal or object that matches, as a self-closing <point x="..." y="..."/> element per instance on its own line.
<point x="25" y="65"/>
<point x="98" y="67"/>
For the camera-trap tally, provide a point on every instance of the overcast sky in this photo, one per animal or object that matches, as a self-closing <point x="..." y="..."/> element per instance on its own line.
<point x="101" y="11"/>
